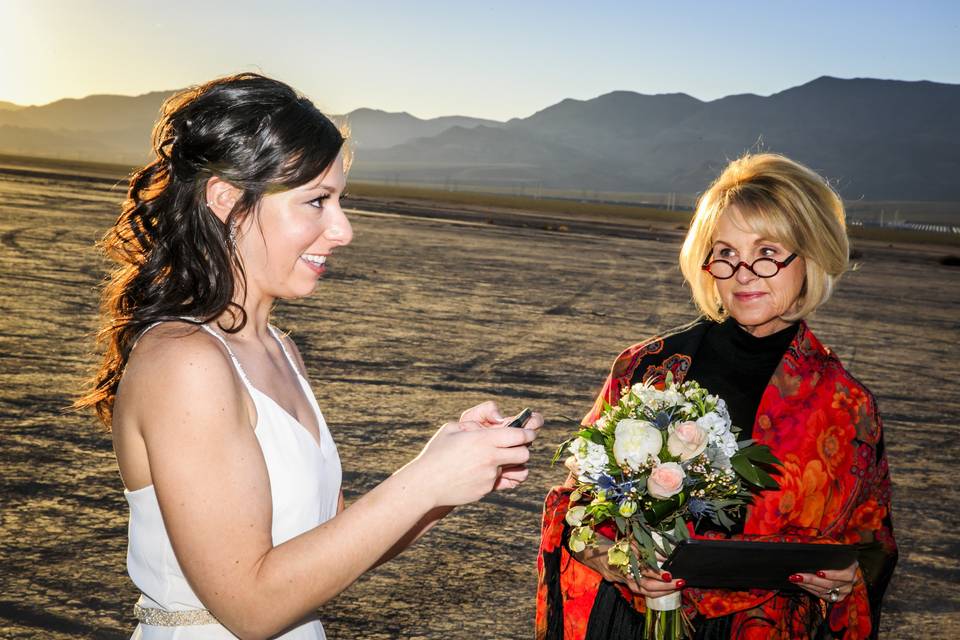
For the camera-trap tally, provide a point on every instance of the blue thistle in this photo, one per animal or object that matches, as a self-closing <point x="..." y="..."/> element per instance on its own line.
<point x="700" y="508"/>
<point x="662" y="420"/>
<point x="609" y="485"/>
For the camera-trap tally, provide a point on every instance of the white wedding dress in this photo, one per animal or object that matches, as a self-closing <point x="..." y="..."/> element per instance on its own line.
<point x="304" y="487"/>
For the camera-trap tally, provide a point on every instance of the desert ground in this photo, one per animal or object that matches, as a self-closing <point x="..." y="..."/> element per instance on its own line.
<point x="421" y="317"/>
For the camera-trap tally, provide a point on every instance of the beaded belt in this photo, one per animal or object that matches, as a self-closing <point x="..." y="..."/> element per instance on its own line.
<point x="164" y="618"/>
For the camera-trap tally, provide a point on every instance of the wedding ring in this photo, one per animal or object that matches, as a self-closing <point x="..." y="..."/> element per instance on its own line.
<point x="833" y="595"/>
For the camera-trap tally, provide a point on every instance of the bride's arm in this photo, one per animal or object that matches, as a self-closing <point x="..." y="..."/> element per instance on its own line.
<point x="214" y="493"/>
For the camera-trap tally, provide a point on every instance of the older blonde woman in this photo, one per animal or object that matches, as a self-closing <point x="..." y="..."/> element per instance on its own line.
<point x="765" y="249"/>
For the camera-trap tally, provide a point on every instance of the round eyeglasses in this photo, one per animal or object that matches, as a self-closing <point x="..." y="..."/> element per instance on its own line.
<point x="761" y="267"/>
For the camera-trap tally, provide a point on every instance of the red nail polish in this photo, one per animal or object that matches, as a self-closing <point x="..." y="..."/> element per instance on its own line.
<point x="666" y="577"/>
<point x="821" y="574"/>
<point x="681" y="583"/>
<point x="796" y="578"/>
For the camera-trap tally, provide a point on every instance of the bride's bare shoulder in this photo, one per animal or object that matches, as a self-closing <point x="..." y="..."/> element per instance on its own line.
<point x="176" y="362"/>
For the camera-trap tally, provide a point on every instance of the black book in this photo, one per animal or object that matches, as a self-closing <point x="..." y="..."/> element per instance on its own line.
<point x="738" y="564"/>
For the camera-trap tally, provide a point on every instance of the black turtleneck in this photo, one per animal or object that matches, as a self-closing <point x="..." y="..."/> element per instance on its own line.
<point x="737" y="366"/>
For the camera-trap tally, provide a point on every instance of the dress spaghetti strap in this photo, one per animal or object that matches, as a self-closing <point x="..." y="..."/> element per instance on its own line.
<point x="233" y="358"/>
<point x="276" y="335"/>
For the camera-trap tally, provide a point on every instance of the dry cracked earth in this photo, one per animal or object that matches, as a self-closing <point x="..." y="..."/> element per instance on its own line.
<point x="418" y="319"/>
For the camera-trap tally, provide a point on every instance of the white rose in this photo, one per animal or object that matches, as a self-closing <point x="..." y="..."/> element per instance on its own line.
<point x="636" y="442"/>
<point x="686" y="440"/>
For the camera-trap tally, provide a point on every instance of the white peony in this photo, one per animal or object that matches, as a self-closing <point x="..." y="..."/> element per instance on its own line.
<point x="636" y="442"/>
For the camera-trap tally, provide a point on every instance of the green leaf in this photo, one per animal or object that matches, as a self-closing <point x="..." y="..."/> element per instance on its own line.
<point x="621" y="524"/>
<point x="766" y="481"/>
<point x="560" y="449"/>
<point x="634" y="566"/>
<point x="724" y="520"/>
<point x="760" y="453"/>
<point x="643" y="537"/>
<point x="746" y="470"/>
<point x="680" y="530"/>
<point x="668" y="542"/>
<point x="662" y="509"/>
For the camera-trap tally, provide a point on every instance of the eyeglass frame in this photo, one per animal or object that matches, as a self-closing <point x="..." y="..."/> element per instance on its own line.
<point x="736" y="267"/>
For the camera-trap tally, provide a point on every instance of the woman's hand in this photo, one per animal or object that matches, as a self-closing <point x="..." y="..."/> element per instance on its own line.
<point x="488" y="415"/>
<point x="462" y="462"/>
<point x="653" y="584"/>
<point x="822" y="583"/>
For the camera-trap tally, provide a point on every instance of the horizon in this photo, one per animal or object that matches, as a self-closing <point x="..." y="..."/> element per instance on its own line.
<point x="495" y="61"/>
<point x="407" y="112"/>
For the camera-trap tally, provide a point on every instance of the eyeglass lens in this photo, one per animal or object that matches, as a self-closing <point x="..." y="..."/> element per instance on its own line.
<point x="762" y="267"/>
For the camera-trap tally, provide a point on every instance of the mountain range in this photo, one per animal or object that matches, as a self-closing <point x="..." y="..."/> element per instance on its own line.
<point x="874" y="139"/>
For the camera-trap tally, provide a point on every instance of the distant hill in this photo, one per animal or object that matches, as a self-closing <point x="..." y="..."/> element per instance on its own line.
<point x="113" y="128"/>
<point x="874" y="139"/>
<point x="374" y="129"/>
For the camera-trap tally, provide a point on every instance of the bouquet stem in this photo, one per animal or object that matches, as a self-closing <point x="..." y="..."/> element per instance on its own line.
<point x="664" y="625"/>
<point x="664" y="618"/>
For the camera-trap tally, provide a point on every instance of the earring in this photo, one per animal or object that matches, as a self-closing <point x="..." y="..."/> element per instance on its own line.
<point x="232" y="235"/>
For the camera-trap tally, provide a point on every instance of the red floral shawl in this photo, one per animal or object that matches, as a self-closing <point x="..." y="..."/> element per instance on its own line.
<point x="834" y="487"/>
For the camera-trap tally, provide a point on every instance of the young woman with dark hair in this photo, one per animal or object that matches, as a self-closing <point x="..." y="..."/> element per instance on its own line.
<point x="237" y="522"/>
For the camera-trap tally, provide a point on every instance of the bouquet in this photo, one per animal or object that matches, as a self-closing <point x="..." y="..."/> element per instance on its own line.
<point x="659" y="458"/>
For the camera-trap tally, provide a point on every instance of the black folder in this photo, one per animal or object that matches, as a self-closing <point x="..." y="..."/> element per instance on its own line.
<point x="739" y="564"/>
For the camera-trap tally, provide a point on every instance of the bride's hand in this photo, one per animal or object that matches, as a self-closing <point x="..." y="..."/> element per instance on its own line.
<point x="487" y="414"/>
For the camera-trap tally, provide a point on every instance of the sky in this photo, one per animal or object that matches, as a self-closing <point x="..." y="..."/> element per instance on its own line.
<point x="494" y="60"/>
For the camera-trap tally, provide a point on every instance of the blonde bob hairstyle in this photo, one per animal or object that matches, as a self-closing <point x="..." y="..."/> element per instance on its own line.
<point x="782" y="201"/>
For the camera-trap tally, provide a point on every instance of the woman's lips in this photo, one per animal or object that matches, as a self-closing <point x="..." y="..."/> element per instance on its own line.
<point x="319" y="269"/>
<point x="749" y="295"/>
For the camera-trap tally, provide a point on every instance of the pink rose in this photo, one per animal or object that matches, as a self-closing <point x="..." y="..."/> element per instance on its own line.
<point x="687" y="440"/>
<point x="665" y="480"/>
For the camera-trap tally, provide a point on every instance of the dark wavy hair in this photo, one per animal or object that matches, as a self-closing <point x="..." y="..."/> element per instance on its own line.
<point x="175" y="258"/>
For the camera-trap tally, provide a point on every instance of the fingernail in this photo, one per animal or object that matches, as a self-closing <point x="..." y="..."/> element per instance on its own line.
<point x="821" y="574"/>
<point x="666" y="577"/>
<point x="681" y="583"/>
<point x="796" y="578"/>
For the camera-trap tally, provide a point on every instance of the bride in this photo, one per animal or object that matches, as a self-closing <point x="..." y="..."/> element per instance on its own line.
<point x="237" y="522"/>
